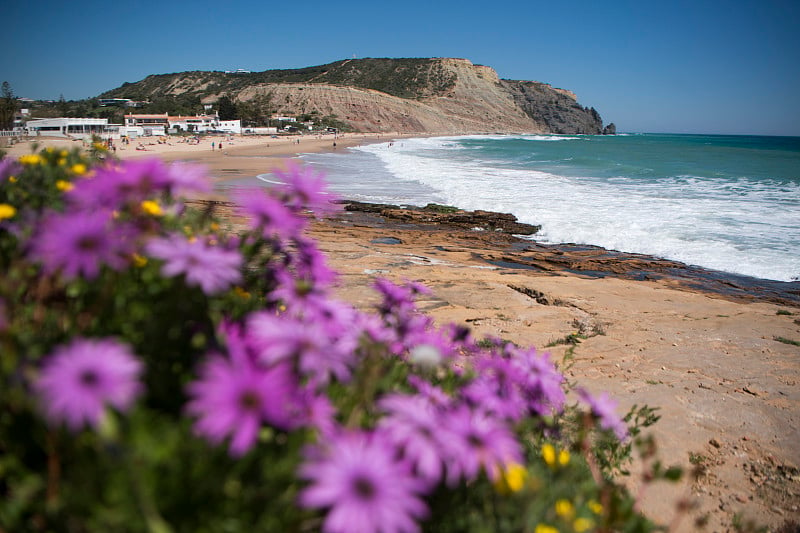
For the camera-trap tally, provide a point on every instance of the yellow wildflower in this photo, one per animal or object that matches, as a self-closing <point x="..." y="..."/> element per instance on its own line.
<point x="214" y="226"/>
<point x="139" y="261"/>
<point x="512" y="479"/>
<point x="595" y="507"/>
<point x="241" y="293"/>
<point x="30" y="159"/>
<point x="563" y="458"/>
<point x="64" y="185"/>
<point x="565" y="509"/>
<point x="62" y="161"/>
<point x="12" y="179"/>
<point x="79" y="169"/>
<point x="544" y="528"/>
<point x="100" y="147"/>
<point x="581" y="525"/>
<point x="549" y="454"/>
<point x="7" y="211"/>
<point x="152" y="208"/>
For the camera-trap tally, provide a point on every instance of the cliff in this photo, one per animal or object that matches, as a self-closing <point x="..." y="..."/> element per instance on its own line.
<point x="435" y="95"/>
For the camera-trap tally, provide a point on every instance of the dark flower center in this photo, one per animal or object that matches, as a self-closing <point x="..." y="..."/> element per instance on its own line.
<point x="249" y="401"/>
<point x="364" y="487"/>
<point x="89" y="378"/>
<point x="88" y="242"/>
<point x="475" y="440"/>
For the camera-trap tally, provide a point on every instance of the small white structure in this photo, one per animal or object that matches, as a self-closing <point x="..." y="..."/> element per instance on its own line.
<point x="67" y="127"/>
<point x="259" y="131"/>
<point x="195" y="124"/>
<point x="230" y="126"/>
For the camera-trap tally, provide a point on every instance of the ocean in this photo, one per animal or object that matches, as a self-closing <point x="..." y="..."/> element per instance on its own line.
<point x="726" y="203"/>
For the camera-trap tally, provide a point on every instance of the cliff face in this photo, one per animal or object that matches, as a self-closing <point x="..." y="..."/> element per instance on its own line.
<point x="438" y="95"/>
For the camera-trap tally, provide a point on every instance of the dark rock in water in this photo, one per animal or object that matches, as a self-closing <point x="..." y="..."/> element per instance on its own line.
<point x="447" y="216"/>
<point x="611" y="129"/>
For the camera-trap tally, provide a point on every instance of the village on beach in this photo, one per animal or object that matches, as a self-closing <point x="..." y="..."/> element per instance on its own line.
<point x="152" y="128"/>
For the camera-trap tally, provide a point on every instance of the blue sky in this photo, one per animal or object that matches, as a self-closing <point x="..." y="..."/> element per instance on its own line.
<point x="649" y="66"/>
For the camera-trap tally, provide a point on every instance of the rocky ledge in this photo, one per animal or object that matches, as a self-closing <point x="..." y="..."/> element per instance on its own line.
<point x="445" y="215"/>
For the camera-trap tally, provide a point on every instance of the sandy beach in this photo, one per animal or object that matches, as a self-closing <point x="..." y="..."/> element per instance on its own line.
<point x="721" y="368"/>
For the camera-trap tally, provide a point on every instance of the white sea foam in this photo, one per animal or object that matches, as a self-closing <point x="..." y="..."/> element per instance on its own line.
<point x="733" y="225"/>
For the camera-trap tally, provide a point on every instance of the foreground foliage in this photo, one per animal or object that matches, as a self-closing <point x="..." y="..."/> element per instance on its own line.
<point x="158" y="373"/>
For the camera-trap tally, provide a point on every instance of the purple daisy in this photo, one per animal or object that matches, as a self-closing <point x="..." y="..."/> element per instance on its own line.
<point x="183" y="178"/>
<point x="234" y="397"/>
<point x="9" y="167"/>
<point x="413" y="424"/>
<point x="80" y="243"/>
<point x="212" y="268"/>
<point x="544" y="383"/>
<point x="365" y="490"/>
<point x="308" y="345"/>
<point x="267" y="214"/>
<point x="79" y="380"/>
<point x="305" y="189"/>
<point x="477" y="441"/>
<point x="604" y="408"/>
<point x="127" y="183"/>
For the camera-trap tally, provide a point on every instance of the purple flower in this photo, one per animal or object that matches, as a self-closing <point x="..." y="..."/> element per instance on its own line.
<point x="234" y="397"/>
<point x="212" y="268"/>
<point x="313" y="347"/>
<point x="130" y="182"/>
<point x="477" y="441"/>
<point x="604" y="408"/>
<point x="267" y="214"/>
<point x="8" y="167"/>
<point x="543" y="382"/>
<point x="413" y="424"/>
<point x="80" y="379"/>
<point x="365" y="490"/>
<point x="80" y="243"/>
<point x="305" y="189"/>
<point x="183" y="178"/>
<point x="499" y="388"/>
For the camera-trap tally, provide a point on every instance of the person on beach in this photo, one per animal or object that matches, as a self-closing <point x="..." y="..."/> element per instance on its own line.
<point x="213" y="146"/>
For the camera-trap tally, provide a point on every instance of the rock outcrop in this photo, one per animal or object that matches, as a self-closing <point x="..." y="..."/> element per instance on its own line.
<point x="433" y="95"/>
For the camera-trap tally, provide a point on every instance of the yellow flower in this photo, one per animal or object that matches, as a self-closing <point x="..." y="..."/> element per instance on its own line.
<point x="563" y="458"/>
<point x="214" y="226"/>
<point x="241" y="293"/>
<point x="564" y="508"/>
<point x="12" y="179"/>
<point x="152" y="208"/>
<point x="549" y="454"/>
<point x="580" y="525"/>
<point x="62" y="161"/>
<point x="7" y="211"/>
<point x="30" y="159"/>
<point x="63" y="185"/>
<point x="139" y="261"/>
<point x="595" y="507"/>
<point x="512" y="479"/>
<point x="79" y="169"/>
<point x="100" y="147"/>
<point x="544" y="528"/>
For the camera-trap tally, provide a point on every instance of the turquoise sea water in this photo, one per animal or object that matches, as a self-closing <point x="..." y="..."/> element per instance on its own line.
<point x="729" y="203"/>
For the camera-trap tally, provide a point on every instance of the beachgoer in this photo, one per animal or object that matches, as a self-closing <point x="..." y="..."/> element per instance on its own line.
<point x="213" y="147"/>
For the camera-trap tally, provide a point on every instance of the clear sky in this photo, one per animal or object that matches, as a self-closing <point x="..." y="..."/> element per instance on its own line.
<point x="698" y="66"/>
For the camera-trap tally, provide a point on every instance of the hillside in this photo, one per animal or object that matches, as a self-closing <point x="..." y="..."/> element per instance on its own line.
<point x="437" y="95"/>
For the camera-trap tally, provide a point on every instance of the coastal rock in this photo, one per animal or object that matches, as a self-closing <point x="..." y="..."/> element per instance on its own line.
<point x="611" y="129"/>
<point x="434" y="214"/>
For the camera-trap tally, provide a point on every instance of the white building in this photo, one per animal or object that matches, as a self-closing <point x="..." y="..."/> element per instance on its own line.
<point x="67" y="127"/>
<point x="148" y="124"/>
<point x="230" y="126"/>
